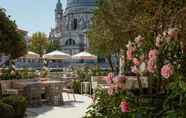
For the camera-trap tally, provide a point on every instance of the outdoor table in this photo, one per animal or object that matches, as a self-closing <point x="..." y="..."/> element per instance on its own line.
<point x="44" y="85"/>
<point x="37" y="82"/>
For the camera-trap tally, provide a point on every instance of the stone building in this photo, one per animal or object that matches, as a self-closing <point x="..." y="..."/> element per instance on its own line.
<point x="72" y="23"/>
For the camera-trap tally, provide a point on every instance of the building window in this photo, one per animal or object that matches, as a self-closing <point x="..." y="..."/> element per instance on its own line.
<point x="75" y="24"/>
<point x="70" y="42"/>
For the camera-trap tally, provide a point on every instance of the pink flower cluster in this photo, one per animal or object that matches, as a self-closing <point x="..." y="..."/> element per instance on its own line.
<point x="153" y="54"/>
<point x="130" y="51"/>
<point x="119" y="82"/>
<point x="151" y="64"/>
<point x="129" y="54"/>
<point x="124" y="106"/>
<point x="167" y="71"/>
<point x="115" y="84"/>
<point x="109" y="78"/>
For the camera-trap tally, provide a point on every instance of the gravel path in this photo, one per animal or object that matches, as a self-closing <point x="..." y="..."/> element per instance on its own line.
<point x="70" y="109"/>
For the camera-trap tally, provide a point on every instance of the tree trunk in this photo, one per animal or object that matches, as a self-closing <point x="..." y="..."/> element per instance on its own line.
<point x="139" y="83"/>
<point x="117" y="65"/>
<point x="109" y="58"/>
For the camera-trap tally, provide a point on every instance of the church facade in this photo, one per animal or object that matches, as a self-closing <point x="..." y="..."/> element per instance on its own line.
<point x="72" y="24"/>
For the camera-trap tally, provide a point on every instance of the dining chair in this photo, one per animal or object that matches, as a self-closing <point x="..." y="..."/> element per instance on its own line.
<point x="34" y="92"/>
<point x="7" y="90"/>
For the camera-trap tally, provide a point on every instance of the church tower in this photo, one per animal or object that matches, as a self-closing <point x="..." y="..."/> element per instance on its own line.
<point x="59" y="16"/>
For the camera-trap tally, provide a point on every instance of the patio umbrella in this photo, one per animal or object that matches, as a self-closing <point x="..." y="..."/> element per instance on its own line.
<point x="56" y="55"/>
<point x="84" y="56"/>
<point x="31" y="55"/>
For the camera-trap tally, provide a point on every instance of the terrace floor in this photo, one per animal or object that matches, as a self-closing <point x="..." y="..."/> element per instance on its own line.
<point x="70" y="109"/>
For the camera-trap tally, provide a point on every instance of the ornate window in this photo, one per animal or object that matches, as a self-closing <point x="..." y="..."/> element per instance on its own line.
<point x="70" y="42"/>
<point x="75" y="24"/>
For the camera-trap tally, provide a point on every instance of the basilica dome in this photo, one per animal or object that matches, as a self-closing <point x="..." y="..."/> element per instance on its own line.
<point x="80" y="3"/>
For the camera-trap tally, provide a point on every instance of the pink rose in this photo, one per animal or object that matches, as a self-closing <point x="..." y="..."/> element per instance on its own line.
<point x="119" y="82"/>
<point x="129" y="54"/>
<point x="130" y="51"/>
<point x="167" y="71"/>
<point x="124" y="106"/>
<point x="109" y="78"/>
<point x="136" y="61"/>
<point x="153" y="54"/>
<point x="151" y="66"/>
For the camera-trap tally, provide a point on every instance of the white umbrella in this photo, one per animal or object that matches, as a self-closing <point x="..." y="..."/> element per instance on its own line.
<point x="84" y="56"/>
<point x="31" y="55"/>
<point x="56" y="55"/>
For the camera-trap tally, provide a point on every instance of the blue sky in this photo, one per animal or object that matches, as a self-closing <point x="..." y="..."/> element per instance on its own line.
<point x="32" y="15"/>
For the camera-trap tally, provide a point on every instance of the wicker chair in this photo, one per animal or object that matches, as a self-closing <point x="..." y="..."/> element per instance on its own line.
<point x="54" y="94"/>
<point x="34" y="92"/>
<point x="6" y="88"/>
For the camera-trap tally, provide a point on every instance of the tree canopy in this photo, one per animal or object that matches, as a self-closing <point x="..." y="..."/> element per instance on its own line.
<point x="53" y="45"/>
<point x="117" y="21"/>
<point x="12" y="42"/>
<point x="39" y="43"/>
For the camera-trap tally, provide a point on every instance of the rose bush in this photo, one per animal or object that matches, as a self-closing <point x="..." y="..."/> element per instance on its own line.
<point x="163" y="63"/>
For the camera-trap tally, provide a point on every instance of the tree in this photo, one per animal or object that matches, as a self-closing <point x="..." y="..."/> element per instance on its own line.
<point x="111" y="28"/>
<point x="39" y="43"/>
<point x="53" y="45"/>
<point x="117" y="21"/>
<point x="12" y="42"/>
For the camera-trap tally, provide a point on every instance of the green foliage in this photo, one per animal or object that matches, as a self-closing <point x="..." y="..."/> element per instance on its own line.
<point x="11" y="40"/>
<point x="107" y="106"/>
<point x="76" y="86"/>
<point x="19" y="74"/>
<point x="26" y="74"/>
<point x="53" y="45"/>
<point x="84" y="74"/>
<point x="116" y="20"/>
<point x="6" y="75"/>
<point x="6" y="111"/>
<point x="39" y="43"/>
<point x="19" y="104"/>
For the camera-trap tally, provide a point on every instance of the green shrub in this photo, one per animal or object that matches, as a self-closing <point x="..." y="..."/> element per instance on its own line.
<point x="6" y="75"/>
<point x="6" y="111"/>
<point x="76" y="86"/>
<point x="19" y="104"/>
<point x="27" y="74"/>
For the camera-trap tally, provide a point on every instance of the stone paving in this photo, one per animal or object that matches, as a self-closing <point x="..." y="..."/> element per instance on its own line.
<point x="70" y="109"/>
